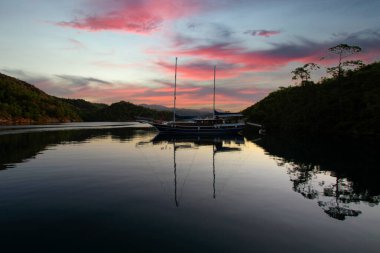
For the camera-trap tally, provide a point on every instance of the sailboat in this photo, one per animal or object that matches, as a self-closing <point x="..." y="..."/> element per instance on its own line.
<point x="219" y="123"/>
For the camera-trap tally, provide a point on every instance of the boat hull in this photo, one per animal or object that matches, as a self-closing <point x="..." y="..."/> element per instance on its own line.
<point x="163" y="128"/>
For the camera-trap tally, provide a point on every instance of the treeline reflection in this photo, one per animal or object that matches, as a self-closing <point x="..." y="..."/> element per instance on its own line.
<point x="17" y="148"/>
<point x="337" y="174"/>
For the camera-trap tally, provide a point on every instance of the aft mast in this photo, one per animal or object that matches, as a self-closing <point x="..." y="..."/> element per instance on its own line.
<point x="213" y="111"/>
<point x="175" y="89"/>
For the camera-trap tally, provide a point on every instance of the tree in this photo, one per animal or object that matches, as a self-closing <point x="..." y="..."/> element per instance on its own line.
<point x="303" y="73"/>
<point x="343" y="51"/>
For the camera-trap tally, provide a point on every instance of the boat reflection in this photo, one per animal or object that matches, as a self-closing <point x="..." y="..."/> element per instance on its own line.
<point x="218" y="143"/>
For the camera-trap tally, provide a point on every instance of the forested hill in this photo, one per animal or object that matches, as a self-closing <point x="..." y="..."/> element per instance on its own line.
<point x="347" y="106"/>
<point x="122" y="111"/>
<point x="21" y="102"/>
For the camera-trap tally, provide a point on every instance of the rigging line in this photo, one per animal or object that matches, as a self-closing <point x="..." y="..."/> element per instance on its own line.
<point x="163" y="187"/>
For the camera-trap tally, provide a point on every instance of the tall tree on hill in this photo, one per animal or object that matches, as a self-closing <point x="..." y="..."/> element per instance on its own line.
<point x="343" y="51"/>
<point x="303" y="73"/>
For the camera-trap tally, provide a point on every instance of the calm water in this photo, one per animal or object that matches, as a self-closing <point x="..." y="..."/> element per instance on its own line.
<point x="127" y="189"/>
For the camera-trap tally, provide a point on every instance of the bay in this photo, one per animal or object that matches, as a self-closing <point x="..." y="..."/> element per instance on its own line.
<point x="115" y="187"/>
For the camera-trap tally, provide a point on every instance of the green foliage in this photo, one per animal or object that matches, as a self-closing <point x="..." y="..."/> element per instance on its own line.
<point x="303" y="73"/>
<point x="86" y="110"/>
<point x="346" y="106"/>
<point x="21" y="102"/>
<point x="344" y="51"/>
<point x="124" y="111"/>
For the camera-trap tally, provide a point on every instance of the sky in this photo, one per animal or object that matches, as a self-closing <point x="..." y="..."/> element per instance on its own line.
<point x="108" y="51"/>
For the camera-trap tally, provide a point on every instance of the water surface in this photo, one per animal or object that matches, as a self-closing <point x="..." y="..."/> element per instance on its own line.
<point x="127" y="189"/>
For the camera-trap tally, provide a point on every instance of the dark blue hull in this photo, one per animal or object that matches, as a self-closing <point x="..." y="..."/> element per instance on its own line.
<point x="197" y="129"/>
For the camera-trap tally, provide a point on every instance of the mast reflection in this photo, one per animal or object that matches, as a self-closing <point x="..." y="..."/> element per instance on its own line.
<point x="193" y="141"/>
<point x="175" y="175"/>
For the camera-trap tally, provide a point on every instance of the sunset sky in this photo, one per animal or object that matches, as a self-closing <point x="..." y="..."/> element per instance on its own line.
<point x="107" y="51"/>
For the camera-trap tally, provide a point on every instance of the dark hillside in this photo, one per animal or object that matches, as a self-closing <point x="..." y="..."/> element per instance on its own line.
<point x="86" y="110"/>
<point x="349" y="106"/>
<point x="124" y="111"/>
<point x="21" y="102"/>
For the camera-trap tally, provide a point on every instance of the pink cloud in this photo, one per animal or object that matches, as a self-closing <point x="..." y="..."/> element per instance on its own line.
<point x="179" y="89"/>
<point x="187" y="96"/>
<point x="108" y="95"/>
<point x="262" y="33"/>
<point x="371" y="55"/>
<point x="135" y="16"/>
<point x="248" y="91"/>
<point x="242" y="60"/>
<point x="75" y="45"/>
<point x="200" y="70"/>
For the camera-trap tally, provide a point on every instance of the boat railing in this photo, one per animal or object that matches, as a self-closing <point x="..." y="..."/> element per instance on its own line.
<point x="205" y="127"/>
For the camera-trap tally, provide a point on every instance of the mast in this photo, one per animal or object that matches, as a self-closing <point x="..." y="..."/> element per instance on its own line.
<point x="213" y="111"/>
<point x="175" y="89"/>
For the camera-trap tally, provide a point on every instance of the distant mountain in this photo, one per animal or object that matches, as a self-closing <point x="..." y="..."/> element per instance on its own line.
<point x="349" y="106"/>
<point x="203" y="112"/>
<point x="124" y="111"/>
<point x="21" y="102"/>
<point x="157" y="107"/>
<point x="86" y="110"/>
